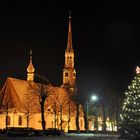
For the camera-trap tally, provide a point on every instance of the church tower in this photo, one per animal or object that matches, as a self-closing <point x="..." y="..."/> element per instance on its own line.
<point x="69" y="73"/>
<point x="30" y="69"/>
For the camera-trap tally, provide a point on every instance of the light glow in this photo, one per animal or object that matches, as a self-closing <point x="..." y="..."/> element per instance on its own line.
<point x="94" y="98"/>
<point x="137" y="70"/>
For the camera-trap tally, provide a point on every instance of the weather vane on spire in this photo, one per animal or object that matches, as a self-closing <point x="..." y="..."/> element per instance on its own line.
<point x="30" y="54"/>
<point x="137" y="70"/>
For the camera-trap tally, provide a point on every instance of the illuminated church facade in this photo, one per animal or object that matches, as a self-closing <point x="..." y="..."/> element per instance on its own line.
<point x="22" y="108"/>
<point x="19" y="107"/>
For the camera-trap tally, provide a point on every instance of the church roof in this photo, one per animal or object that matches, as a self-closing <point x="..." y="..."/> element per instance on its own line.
<point x="16" y="94"/>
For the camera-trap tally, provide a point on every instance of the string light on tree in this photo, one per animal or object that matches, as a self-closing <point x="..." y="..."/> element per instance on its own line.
<point x="137" y="70"/>
<point x="130" y="116"/>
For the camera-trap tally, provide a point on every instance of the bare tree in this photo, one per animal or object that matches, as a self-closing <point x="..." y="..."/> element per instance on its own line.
<point x="54" y="103"/>
<point x="63" y="107"/>
<point x="41" y="91"/>
<point x="85" y="108"/>
<point x="74" y="96"/>
<point x="59" y="103"/>
<point x="29" y="107"/>
<point x="54" y="106"/>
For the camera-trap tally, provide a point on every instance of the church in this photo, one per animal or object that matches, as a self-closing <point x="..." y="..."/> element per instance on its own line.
<point x="20" y="107"/>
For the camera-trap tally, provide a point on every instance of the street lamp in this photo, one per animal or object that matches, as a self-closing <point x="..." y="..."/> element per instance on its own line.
<point x="92" y="100"/>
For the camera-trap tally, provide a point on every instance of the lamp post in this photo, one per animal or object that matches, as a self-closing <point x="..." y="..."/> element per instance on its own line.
<point x="93" y="99"/>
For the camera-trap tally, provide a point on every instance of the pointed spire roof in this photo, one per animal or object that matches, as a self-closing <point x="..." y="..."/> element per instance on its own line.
<point x="69" y="41"/>
<point x="30" y="68"/>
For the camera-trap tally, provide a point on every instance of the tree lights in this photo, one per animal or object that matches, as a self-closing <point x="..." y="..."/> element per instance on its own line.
<point x="130" y="124"/>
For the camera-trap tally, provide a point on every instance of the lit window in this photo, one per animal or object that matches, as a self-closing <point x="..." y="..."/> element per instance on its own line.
<point x="20" y="120"/>
<point x="66" y="74"/>
<point x="8" y="120"/>
<point x="81" y="123"/>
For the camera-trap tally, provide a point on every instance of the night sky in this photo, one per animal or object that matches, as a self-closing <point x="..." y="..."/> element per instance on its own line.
<point x="106" y="40"/>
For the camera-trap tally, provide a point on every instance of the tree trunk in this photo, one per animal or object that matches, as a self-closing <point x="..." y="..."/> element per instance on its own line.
<point x="6" y="121"/>
<point x="77" y="118"/>
<point x="86" y="122"/>
<point x="104" y="118"/>
<point x="27" y="119"/>
<point x="42" y="115"/>
<point x="55" y="115"/>
<point x="69" y="118"/>
<point x="86" y="117"/>
<point x="96" y="123"/>
<point x="117" y="115"/>
<point x="61" y="117"/>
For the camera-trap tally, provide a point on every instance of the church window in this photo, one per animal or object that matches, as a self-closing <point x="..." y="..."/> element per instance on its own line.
<point x="8" y="120"/>
<point x="66" y="74"/>
<point x="20" y="120"/>
<point x="81" y="123"/>
<point x="74" y="74"/>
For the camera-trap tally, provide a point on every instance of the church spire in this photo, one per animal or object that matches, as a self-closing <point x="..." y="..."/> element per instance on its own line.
<point x="69" y="73"/>
<point x="69" y="41"/>
<point x="30" y="69"/>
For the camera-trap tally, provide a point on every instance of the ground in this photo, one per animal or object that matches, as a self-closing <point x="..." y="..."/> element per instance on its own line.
<point x="66" y="137"/>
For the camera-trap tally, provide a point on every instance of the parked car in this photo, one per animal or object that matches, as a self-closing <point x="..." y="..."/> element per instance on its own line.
<point x="38" y="132"/>
<point x="17" y="131"/>
<point x="53" y="132"/>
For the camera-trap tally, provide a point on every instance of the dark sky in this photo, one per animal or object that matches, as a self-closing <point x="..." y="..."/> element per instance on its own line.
<point x="106" y="40"/>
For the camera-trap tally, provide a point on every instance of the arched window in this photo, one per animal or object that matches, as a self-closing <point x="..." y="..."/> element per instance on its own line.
<point x="74" y="74"/>
<point x="8" y="120"/>
<point x="20" y="120"/>
<point x="81" y="123"/>
<point x="66" y="74"/>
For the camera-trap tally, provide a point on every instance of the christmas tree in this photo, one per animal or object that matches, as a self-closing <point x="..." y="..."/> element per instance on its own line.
<point x="130" y="117"/>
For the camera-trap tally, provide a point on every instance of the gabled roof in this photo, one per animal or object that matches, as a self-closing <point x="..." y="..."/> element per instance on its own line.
<point x="16" y="94"/>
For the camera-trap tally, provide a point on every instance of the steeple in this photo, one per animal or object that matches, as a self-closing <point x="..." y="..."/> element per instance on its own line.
<point x="30" y="69"/>
<point x="69" y="41"/>
<point x="69" y="73"/>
